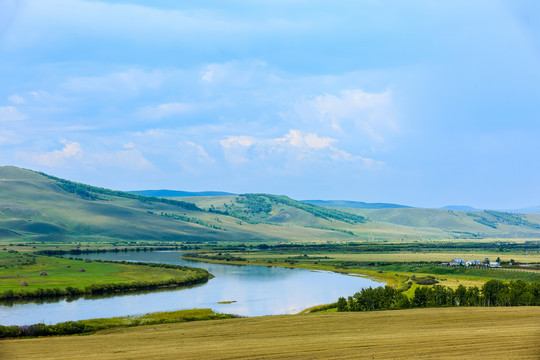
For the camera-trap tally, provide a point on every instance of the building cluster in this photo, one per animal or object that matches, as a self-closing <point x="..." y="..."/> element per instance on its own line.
<point x="474" y="263"/>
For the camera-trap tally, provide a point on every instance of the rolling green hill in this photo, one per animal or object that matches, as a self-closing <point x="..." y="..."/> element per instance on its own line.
<point x="38" y="207"/>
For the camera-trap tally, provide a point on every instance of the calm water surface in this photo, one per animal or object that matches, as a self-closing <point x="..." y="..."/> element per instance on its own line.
<point x="257" y="290"/>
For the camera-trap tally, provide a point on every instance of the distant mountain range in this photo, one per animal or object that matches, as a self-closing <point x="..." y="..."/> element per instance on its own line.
<point x="177" y="193"/>
<point x="459" y="208"/>
<point x="527" y="210"/>
<point x="41" y="208"/>
<point x="354" y="204"/>
<point x="328" y="203"/>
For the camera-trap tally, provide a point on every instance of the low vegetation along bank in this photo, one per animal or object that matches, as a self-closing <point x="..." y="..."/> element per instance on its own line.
<point x="93" y="325"/>
<point x="26" y="276"/>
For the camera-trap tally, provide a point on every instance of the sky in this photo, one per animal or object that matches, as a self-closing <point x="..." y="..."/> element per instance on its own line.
<point x="423" y="103"/>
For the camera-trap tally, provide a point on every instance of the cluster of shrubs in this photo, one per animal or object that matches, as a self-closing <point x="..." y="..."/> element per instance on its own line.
<point x="196" y="276"/>
<point x="428" y="280"/>
<point x="492" y="293"/>
<point x="65" y="328"/>
<point x="219" y="256"/>
<point x="93" y="325"/>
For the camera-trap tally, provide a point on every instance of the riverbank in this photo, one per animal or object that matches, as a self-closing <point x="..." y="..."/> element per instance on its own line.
<point x="503" y="333"/>
<point x="26" y="276"/>
<point x="405" y="276"/>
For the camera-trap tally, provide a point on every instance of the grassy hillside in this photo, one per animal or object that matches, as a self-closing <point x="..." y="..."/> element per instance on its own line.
<point x="457" y="224"/>
<point x="439" y="333"/>
<point x="41" y="208"/>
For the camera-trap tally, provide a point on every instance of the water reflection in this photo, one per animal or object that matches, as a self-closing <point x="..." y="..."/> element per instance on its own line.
<point x="257" y="290"/>
<point x="11" y="303"/>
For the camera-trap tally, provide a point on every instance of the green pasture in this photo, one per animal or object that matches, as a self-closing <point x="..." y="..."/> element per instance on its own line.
<point x="62" y="273"/>
<point x="406" y="257"/>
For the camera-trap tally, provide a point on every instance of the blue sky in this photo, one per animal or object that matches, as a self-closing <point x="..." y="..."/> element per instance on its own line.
<point x="425" y="103"/>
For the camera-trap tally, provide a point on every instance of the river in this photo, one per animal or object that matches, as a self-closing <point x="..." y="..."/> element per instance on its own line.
<point x="253" y="291"/>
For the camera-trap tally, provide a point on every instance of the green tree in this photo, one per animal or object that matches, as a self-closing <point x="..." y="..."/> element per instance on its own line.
<point x="342" y="304"/>
<point x="421" y="297"/>
<point x="492" y="292"/>
<point x="461" y="296"/>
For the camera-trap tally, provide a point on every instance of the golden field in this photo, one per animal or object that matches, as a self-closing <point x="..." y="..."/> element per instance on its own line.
<point x="437" y="333"/>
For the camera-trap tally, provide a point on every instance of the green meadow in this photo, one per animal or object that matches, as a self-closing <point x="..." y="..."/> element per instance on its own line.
<point x="62" y="273"/>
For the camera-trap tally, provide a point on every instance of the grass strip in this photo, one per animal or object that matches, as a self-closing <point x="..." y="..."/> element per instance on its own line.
<point x="93" y="325"/>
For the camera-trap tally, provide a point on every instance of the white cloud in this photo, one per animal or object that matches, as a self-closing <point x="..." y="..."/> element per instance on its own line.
<point x="128" y="159"/>
<point x="294" y="146"/>
<point x="297" y="139"/>
<point x="16" y="99"/>
<point x="11" y="113"/>
<point x="208" y="75"/>
<point x="200" y="152"/>
<point x="165" y="110"/>
<point x="55" y="158"/>
<point x="193" y="157"/>
<point x="351" y="111"/>
<point x="235" y="148"/>
<point x="237" y="141"/>
<point x="129" y="82"/>
<point x="71" y="149"/>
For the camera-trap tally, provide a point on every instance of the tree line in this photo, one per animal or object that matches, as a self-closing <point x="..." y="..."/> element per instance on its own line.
<point x="89" y="192"/>
<point x="492" y="293"/>
<point x="367" y="247"/>
<point x="319" y="211"/>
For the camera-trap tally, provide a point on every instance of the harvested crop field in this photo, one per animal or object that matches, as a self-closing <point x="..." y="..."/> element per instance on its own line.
<point x="502" y="333"/>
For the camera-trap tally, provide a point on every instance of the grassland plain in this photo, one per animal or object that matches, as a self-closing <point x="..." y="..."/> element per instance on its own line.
<point x="410" y="257"/>
<point x="62" y="273"/>
<point x="438" y="333"/>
